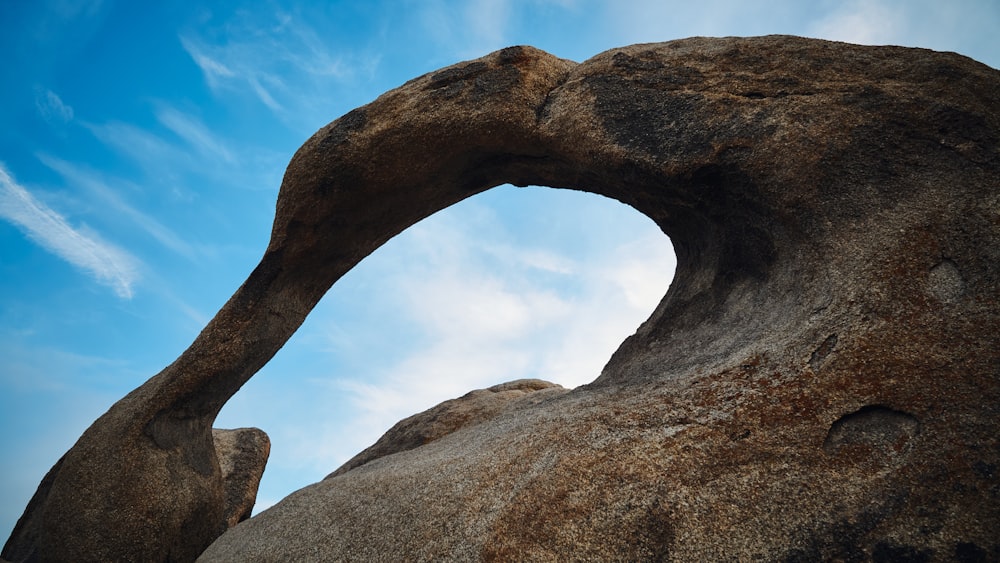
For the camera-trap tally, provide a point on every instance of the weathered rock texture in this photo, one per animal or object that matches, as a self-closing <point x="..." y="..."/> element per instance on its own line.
<point x="819" y="382"/>
<point x="242" y="455"/>
<point x="239" y="454"/>
<point x="470" y="409"/>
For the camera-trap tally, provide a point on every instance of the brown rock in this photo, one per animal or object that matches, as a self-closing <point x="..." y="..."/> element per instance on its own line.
<point x="143" y="482"/>
<point x="242" y="456"/>
<point x="468" y="410"/>
<point x="819" y="382"/>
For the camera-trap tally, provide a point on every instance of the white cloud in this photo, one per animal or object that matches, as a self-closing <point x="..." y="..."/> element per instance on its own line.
<point x="192" y="151"/>
<point x="137" y="143"/>
<point x="639" y="269"/>
<point x="964" y="26"/>
<point x="215" y="72"/>
<point x="484" y="310"/>
<point x="866" y="22"/>
<point x="109" y="264"/>
<point x="468" y="29"/>
<point x="232" y="66"/>
<point x="163" y="162"/>
<point x="641" y="21"/>
<point x="487" y="20"/>
<point x="460" y="304"/>
<point x="280" y="58"/>
<point x="472" y="28"/>
<point x="263" y="93"/>
<point x="73" y="9"/>
<point x="96" y="185"/>
<point x="51" y="107"/>
<point x="621" y="291"/>
<point x="195" y="133"/>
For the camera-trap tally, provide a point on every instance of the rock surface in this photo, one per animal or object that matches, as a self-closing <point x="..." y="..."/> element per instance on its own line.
<point x="819" y="382"/>
<point x="242" y="456"/>
<point x="468" y="410"/>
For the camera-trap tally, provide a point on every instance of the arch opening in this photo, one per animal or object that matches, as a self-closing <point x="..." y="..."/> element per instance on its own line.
<point x="508" y="284"/>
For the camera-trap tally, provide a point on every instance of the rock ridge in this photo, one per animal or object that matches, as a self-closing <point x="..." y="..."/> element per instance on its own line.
<point x="475" y="407"/>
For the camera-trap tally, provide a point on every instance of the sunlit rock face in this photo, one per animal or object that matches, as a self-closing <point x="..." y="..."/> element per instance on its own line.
<point x="819" y="382"/>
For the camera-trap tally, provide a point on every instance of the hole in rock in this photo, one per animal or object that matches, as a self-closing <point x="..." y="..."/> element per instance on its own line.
<point x="512" y="283"/>
<point x="875" y="430"/>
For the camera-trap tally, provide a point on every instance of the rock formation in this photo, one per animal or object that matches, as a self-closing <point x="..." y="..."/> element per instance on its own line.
<point x="242" y="455"/>
<point x="819" y="382"/>
<point x="470" y="409"/>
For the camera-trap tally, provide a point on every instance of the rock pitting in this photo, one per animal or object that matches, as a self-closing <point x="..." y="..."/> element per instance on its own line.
<point x="819" y="382"/>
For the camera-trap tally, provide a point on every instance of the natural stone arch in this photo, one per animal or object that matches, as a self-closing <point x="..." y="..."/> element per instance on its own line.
<point x="782" y="169"/>
<point x="572" y="253"/>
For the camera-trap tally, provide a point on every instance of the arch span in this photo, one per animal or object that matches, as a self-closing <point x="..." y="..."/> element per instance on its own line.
<point x="518" y="116"/>
<point x="781" y="169"/>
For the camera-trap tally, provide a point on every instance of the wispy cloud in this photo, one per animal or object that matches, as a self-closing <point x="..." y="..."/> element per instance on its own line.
<point x="487" y="310"/>
<point x="195" y="133"/>
<point x="281" y="59"/>
<point x="30" y="367"/>
<point x="51" y="107"/>
<point x="163" y="162"/>
<point x="185" y="148"/>
<point x="73" y="9"/>
<point x="109" y="264"/>
<point x="473" y="28"/>
<point x="487" y="20"/>
<point x="95" y="184"/>
<point x="214" y="71"/>
<point x="866" y="22"/>
<point x="965" y="26"/>
<point x="142" y="146"/>
<point x="470" y="29"/>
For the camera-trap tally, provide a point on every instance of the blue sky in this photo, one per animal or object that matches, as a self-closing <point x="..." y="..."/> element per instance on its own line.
<point x="141" y="149"/>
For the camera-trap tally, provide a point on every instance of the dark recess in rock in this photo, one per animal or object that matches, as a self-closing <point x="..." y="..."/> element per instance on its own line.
<point x="825" y="349"/>
<point x="886" y="432"/>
